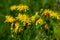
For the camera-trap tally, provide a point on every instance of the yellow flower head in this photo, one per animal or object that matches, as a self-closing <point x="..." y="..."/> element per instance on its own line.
<point x="20" y="16"/>
<point x="53" y="14"/>
<point x="9" y="19"/>
<point x="22" y="7"/>
<point x="47" y="12"/>
<point x="24" y="18"/>
<point x="39" y="21"/>
<point x="13" y="7"/>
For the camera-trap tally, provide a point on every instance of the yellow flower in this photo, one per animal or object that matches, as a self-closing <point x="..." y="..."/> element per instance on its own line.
<point x="53" y="14"/>
<point x="47" y="12"/>
<point x="22" y="7"/>
<point x="9" y="19"/>
<point x="24" y="18"/>
<point x="20" y="16"/>
<point x="13" y="7"/>
<point x="39" y="21"/>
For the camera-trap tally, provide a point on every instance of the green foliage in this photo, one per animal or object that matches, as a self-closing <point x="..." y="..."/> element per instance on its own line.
<point x="31" y="32"/>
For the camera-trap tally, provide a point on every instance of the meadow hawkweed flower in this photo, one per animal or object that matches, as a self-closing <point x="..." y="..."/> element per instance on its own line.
<point x="53" y="14"/>
<point x="50" y="13"/>
<point x="46" y="12"/>
<point x="13" y="7"/>
<point x="22" y="7"/>
<point x="28" y="22"/>
<point x="19" y="17"/>
<point x="39" y="21"/>
<point x="9" y="19"/>
<point x="24" y="18"/>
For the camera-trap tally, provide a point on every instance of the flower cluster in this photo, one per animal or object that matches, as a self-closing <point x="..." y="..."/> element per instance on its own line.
<point x="25" y="19"/>
<point x="9" y="19"/>
<point x="51" y="13"/>
<point x="22" y="21"/>
<point x="19" y="7"/>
